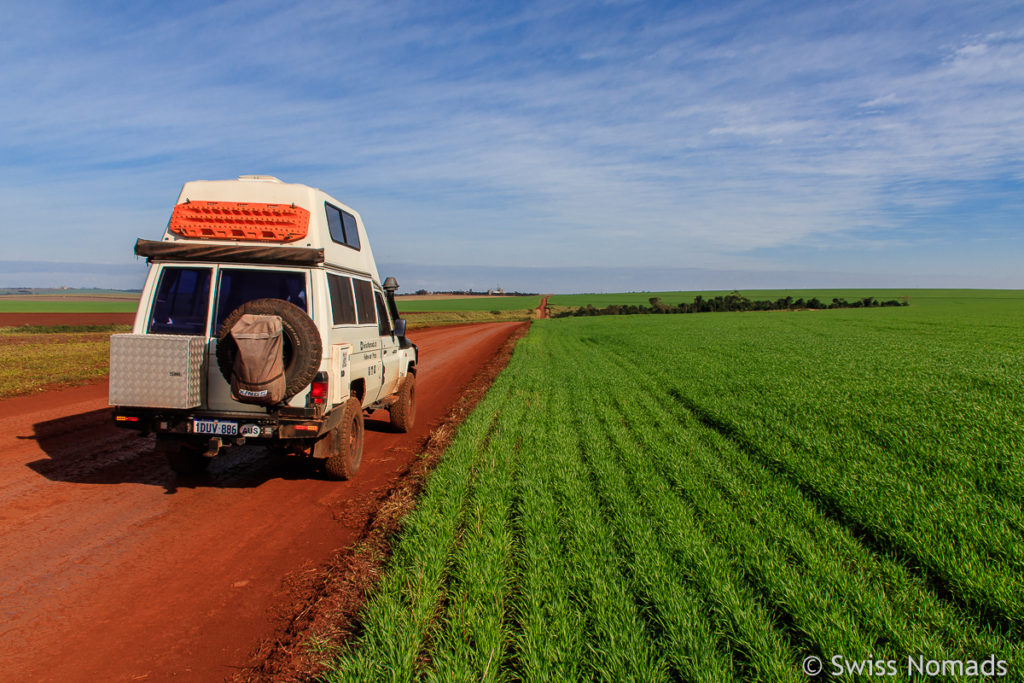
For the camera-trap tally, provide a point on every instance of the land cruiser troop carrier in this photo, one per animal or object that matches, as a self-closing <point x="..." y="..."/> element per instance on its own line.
<point x="263" y="320"/>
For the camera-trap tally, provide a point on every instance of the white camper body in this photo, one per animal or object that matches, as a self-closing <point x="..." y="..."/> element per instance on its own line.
<point x="288" y="250"/>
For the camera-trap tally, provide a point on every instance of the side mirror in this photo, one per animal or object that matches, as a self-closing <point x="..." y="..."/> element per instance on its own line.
<point x="400" y="327"/>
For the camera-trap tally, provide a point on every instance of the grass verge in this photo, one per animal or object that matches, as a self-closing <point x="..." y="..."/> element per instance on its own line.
<point x="33" y="359"/>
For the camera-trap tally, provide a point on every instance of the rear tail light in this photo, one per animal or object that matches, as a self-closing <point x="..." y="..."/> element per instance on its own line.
<point x="126" y="418"/>
<point x="318" y="390"/>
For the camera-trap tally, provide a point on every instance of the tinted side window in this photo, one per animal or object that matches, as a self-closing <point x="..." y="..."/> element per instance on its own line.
<point x="343" y="306"/>
<point x="364" y="301"/>
<point x="238" y="286"/>
<point x="334" y="224"/>
<point x="351" y="231"/>
<point x="342" y="226"/>
<point x="182" y="301"/>
<point x="383" y="319"/>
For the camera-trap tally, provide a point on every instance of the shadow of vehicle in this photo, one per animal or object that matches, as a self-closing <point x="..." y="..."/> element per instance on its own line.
<point x="88" y="449"/>
<point x="379" y="421"/>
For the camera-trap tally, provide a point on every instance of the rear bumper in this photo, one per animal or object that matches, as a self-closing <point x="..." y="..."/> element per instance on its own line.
<point x="297" y="423"/>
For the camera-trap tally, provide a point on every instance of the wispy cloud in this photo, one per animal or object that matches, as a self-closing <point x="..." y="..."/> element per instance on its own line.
<point x="552" y="134"/>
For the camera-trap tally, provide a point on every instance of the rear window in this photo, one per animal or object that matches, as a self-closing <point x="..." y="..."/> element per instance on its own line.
<point x="238" y="286"/>
<point x="182" y="301"/>
<point x="364" y="302"/>
<point x="343" y="306"/>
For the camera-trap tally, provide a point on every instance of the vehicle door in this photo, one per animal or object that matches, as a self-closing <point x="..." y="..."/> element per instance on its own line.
<point x="236" y="286"/>
<point x="366" y="353"/>
<point x="388" y="347"/>
<point x="180" y="301"/>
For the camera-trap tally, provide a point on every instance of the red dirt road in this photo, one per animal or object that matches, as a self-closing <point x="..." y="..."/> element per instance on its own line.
<point x="113" y="569"/>
<point x="542" y="310"/>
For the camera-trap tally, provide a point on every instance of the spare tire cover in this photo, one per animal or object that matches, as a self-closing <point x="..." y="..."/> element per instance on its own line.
<point x="303" y="348"/>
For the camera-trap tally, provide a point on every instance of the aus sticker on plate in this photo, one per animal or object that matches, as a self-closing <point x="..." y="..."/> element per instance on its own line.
<point x="249" y="430"/>
<point x="214" y="427"/>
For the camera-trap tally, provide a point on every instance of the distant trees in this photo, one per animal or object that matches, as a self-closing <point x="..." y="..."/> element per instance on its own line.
<point x="731" y="302"/>
<point x="492" y="293"/>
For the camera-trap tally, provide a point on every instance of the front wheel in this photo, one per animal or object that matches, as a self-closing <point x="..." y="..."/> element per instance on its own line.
<point x="345" y="443"/>
<point x="403" y="411"/>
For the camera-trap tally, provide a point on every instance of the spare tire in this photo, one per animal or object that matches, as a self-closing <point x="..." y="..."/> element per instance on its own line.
<point x="302" y="347"/>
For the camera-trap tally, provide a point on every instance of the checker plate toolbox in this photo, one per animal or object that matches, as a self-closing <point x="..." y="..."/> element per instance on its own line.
<point x="156" y="370"/>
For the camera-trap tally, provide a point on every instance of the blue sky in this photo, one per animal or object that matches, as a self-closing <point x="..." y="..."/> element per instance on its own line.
<point x="584" y="146"/>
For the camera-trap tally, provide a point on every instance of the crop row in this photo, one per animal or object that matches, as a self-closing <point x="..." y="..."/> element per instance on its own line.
<point x="745" y="491"/>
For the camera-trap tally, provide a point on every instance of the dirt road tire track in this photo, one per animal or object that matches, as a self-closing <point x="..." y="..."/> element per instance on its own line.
<point x="113" y="568"/>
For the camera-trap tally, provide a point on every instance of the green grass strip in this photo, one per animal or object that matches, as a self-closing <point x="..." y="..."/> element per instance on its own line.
<point x="398" y="617"/>
<point x="469" y="638"/>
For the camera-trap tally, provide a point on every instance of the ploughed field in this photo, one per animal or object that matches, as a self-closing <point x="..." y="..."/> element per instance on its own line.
<point x="720" y="496"/>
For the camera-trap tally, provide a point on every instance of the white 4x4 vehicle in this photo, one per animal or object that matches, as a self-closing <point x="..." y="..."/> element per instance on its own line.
<point x="263" y="319"/>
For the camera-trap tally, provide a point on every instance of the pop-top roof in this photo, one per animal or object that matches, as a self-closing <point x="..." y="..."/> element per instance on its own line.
<point x="263" y="211"/>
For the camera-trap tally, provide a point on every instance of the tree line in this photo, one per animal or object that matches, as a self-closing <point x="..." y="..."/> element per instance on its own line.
<point x="734" y="301"/>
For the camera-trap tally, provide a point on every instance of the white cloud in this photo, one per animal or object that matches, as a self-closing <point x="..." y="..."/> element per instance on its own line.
<point x="476" y="136"/>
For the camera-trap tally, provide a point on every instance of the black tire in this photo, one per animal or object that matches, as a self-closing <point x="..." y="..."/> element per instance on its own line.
<point x="183" y="457"/>
<point x="344" y="443"/>
<point x="403" y="411"/>
<point x="302" y="346"/>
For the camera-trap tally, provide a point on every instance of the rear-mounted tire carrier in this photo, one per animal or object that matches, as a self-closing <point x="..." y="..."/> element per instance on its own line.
<point x="303" y="347"/>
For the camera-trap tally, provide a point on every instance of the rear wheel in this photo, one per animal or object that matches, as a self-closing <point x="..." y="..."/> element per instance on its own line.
<point x="403" y="411"/>
<point x="183" y="457"/>
<point x="345" y="443"/>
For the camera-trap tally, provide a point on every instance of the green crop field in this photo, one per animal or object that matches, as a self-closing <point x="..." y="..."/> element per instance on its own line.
<point x="719" y="496"/>
<point x="27" y="305"/>
<point x="476" y="303"/>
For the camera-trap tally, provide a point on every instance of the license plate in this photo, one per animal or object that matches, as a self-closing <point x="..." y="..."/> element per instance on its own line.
<point x="214" y="427"/>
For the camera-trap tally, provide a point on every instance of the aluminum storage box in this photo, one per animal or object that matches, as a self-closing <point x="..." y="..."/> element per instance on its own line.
<point x="156" y="370"/>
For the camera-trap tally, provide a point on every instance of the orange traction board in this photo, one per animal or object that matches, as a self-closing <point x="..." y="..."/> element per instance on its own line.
<point x="240" y="221"/>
